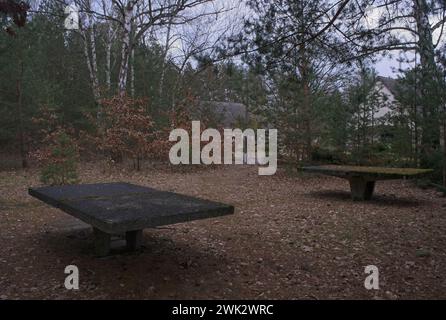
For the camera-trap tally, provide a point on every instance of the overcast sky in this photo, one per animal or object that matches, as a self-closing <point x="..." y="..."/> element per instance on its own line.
<point x="234" y="18"/>
<point x="385" y="66"/>
<point x="388" y="67"/>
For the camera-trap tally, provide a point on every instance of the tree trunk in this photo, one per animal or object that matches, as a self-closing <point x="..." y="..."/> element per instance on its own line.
<point x="108" y="66"/>
<point x="444" y="149"/>
<point x="110" y="37"/>
<point x="94" y="63"/>
<point x="126" y="47"/>
<point x="306" y="105"/>
<point x="304" y="70"/>
<point x="20" y="114"/>
<point x="164" y="62"/>
<point x="132" y="72"/>
<point x="92" y="66"/>
<point x="416" y="138"/>
<point x="89" y="41"/>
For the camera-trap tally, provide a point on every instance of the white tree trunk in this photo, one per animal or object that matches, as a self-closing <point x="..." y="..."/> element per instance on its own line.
<point x="108" y="43"/>
<point x="108" y="48"/>
<point x="89" y="41"/>
<point x="125" y="50"/>
<point x="91" y="64"/>
<point x="164" y="62"/>
<point x="94" y="63"/>
<point x="132" y="72"/>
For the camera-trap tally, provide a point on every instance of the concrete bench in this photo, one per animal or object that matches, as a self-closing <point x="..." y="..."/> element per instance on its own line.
<point x="118" y="208"/>
<point x="362" y="179"/>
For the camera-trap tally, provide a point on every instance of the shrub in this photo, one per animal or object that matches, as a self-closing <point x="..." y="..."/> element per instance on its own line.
<point x="58" y="152"/>
<point x="60" y="161"/>
<point x="126" y="131"/>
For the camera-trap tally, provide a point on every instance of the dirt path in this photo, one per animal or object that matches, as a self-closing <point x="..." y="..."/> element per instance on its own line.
<point x="291" y="238"/>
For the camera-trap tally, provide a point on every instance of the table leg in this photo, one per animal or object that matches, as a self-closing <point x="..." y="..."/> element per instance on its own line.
<point x="101" y="242"/>
<point x="361" y="189"/>
<point x="134" y="239"/>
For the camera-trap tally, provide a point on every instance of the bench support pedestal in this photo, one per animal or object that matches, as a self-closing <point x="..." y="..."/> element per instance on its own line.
<point x="102" y="241"/>
<point x="133" y="239"/>
<point x="361" y="189"/>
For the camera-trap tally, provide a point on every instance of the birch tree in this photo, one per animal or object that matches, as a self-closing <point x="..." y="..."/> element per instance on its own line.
<point x="143" y="15"/>
<point x="87" y="31"/>
<point x="128" y="22"/>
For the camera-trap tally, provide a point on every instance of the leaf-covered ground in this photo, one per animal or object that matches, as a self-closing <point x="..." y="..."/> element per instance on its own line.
<point x="292" y="237"/>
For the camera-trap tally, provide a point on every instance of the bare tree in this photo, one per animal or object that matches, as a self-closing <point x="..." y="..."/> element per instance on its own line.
<point x="137" y="17"/>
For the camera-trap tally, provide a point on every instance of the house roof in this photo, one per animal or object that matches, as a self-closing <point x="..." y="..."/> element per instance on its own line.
<point x="390" y="83"/>
<point x="231" y="112"/>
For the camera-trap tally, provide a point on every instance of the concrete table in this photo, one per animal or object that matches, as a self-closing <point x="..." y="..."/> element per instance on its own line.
<point x="117" y="208"/>
<point x="362" y="179"/>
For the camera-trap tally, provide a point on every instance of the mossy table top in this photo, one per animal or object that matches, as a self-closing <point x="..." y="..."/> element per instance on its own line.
<point x="122" y="207"/>
<point x="374" y="173"/>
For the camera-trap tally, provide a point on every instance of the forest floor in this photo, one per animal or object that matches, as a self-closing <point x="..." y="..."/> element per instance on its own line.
<point x="291" y="237"/>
